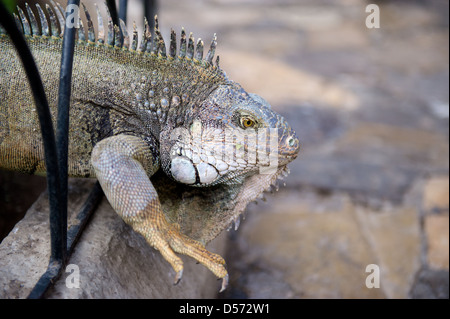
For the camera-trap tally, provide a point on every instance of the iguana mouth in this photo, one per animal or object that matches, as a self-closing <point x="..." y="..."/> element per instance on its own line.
<point x="185" y="171"/>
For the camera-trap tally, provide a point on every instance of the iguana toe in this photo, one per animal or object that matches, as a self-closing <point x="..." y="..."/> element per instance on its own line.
<point x="185" y="245"/>
<point x="224" y="283"/>
<point x="178" y="277"/>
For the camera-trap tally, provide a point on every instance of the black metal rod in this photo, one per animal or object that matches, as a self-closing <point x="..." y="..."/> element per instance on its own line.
<point x="123" y="10"/>
<point x="58" y="223"/>
<point x="114" y="16"/>
<point x="74" y="233"/>
<point x="113" y="11"/>
<point x="150" y="10"/>
<point x="58" y="219"/>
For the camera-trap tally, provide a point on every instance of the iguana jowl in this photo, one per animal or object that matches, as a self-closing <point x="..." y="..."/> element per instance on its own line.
<point x="137" y="110"/>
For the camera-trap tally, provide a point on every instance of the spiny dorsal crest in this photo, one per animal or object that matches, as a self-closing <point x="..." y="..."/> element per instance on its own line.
<point x="114" y="36"/>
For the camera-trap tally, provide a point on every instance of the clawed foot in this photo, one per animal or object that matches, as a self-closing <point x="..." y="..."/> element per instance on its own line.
<point x="222" y="288"/>
<point x="169" y="240"/>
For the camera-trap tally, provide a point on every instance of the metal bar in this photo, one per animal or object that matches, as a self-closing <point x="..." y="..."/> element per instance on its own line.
<point x="150" y="10"/>
<point x="114" y="16"/>
<point x="51" y="274"/>
<point x="123" y="10"/>
<point x="113" y="11"/>
<point x="58" y="224"/>
<point x="58" y="218"/>
<point x="74" y="233"/>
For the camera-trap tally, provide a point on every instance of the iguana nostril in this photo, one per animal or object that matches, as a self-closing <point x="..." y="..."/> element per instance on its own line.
<point x="293" y="145"/>
<point x="291" y="141"/>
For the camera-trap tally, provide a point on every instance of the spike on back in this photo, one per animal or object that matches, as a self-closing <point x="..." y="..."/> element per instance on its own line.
<point x="17" y="20"/>
<point x="212" y="50"/>
<point x="53" y="26"/>
<point x="60" y="15"/>
<point x="101" y="28"/>
<point x="173" y="44"/>
<point x="33" y="22"/>
<point x="110" y="40"/>
<point x="90" y="25"/>
<point x="125" y="36"/>
<point x="134" y="40"/>
<point x="144" y="37"/>
<point x="44" y="22"/>
<point x="116" y="36"/>
<point x="160" y="45"/>
<point x="81" y="34"/>
<point x="190" y="47"/>
<point x="26" y="25"/>
<point x="182" y="53"/>
<point x="199" y="51"/>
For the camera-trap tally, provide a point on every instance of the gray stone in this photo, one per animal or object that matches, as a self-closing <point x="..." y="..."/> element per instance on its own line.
<point x="362" y="180"/>
<point x="304" y="247"/>
<point x="431" y="284"/>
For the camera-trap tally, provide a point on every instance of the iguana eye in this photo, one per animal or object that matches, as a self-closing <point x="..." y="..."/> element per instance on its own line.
<point x="247" y="122"/>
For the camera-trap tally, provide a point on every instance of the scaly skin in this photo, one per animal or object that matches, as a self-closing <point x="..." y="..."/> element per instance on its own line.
<point x="137" y="112"/>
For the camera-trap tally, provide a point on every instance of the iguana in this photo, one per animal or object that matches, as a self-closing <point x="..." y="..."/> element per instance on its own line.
<point x="178" y="148"/>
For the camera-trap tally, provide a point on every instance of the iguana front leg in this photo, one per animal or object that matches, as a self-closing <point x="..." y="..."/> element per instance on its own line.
<point x="123" y="165"/>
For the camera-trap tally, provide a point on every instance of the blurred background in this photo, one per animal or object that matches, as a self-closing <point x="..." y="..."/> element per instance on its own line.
<point x="371" y="109"/>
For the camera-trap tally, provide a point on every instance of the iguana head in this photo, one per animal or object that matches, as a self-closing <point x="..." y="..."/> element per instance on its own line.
<point x="229" y="136"/>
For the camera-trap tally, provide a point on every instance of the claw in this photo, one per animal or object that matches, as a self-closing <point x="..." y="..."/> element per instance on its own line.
<point x="178" y="277"/>
<point x="224" y="283"/>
